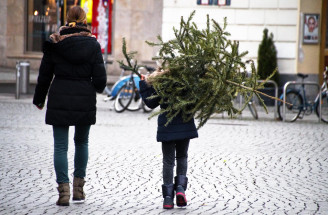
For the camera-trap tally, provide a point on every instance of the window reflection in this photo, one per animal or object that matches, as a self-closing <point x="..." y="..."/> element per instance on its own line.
<point x="41" y="22"/>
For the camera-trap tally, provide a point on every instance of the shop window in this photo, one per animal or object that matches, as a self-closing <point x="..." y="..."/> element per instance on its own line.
<point x="41" y="22"/>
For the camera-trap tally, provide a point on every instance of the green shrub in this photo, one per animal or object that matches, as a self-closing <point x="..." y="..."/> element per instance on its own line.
<point x="267" y="58"/>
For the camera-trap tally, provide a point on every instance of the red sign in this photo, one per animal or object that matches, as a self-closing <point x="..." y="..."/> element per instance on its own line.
<point x="99" y="24"/>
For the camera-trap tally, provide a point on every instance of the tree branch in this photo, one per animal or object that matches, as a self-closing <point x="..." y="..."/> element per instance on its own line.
<point x="251" y="89"/>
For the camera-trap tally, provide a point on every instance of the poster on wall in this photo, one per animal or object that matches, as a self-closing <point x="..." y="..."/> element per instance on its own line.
<point x="311" y="29"/>
<point x="99" y="23"/>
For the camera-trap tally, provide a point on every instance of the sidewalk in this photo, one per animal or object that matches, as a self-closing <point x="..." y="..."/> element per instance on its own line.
<point x="236" y="166"/>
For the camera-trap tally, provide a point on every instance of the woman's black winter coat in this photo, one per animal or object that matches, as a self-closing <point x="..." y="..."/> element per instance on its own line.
<point x="177" y="129"/>
<point x="71" y="72"/>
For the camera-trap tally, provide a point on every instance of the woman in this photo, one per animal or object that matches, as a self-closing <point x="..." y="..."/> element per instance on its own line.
<point x="73" y="67"/>
<point x="175" y="139"/>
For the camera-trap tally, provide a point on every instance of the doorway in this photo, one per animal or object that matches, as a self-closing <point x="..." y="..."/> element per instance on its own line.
<point x="324" y="40"/>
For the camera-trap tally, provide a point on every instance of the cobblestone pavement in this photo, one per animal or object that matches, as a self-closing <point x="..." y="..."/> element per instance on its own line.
<point x="235" y="166"/>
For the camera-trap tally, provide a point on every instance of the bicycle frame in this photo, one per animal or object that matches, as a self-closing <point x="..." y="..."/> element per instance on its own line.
<point x="302" y="92"/>
<point x="123" y="79"/>
<point x="303" y="96"/>
<point x="305" y="104"/>
<point x="302" y="106"/>
<point x="121" y="82"/>
<point x="324" y="90"/>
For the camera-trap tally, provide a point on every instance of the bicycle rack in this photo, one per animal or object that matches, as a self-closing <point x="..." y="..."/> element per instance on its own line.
<point x="275" y="95"/>
<point x="300" y="83"/>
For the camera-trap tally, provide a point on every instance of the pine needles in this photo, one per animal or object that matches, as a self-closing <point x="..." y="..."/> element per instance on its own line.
<point x="204" y="73"/>
<point x="132" y="65"/>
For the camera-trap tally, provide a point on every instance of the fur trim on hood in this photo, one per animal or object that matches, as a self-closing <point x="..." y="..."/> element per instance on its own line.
<point x="57" y="37"/>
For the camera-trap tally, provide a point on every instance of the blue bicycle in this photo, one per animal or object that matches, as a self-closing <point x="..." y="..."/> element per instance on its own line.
<point x="301" y="106"/>
<point x="125" y="92"/>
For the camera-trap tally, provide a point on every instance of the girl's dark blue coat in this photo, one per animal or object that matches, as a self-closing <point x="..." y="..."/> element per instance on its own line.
<point x="175" y="130"/>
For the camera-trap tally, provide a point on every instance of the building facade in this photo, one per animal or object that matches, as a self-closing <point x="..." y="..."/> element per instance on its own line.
<point x="246" y="21"/>
<point x="141" y="20"/>
<point x="27" y="23"/>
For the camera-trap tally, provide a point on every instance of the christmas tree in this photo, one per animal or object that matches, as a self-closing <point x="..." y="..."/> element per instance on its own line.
<point x="201" y="72"/>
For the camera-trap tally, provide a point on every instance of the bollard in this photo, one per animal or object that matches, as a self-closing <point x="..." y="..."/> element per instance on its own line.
<point x="17" y="80"/>
<point x="22" y="77"/>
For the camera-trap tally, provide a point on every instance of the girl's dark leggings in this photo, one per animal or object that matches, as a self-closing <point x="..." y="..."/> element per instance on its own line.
<point x="81" y="139"/>
<point x="177" y="149"/>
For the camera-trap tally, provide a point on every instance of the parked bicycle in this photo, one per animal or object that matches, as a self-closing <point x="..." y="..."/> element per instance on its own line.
<point x="125" y="92"/>
<point x="300" y="104"/>
<point x="251" y="103"/>
<point x="251" y="106"/>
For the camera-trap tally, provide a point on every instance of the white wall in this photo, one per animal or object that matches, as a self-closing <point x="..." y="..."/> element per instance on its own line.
<point x="246" y="20"/>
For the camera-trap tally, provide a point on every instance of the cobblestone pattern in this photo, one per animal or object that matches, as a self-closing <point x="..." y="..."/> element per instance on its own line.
<point x="235" y="167"/>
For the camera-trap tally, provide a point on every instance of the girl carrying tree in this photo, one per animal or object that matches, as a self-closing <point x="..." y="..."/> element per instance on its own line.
<point x="175" y="138"/>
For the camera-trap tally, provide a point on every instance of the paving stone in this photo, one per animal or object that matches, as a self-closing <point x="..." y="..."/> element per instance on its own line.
<point x="236" y="166"/>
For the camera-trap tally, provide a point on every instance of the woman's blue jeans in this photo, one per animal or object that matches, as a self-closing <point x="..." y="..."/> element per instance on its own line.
<point x="81" y="139"/>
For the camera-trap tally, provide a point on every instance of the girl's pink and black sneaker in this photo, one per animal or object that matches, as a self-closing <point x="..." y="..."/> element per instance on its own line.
<point x="168" y="195"/>
<point x="181" y="182"/>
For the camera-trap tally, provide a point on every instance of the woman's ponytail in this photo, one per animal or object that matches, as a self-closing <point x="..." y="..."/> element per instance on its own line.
<point x="76" y="15"/>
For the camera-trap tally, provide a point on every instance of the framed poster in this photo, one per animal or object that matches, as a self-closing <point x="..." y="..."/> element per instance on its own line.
<point x="311" y="29"/>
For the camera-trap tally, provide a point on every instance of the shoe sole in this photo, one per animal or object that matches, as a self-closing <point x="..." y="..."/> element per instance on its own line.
<point x="63" y="204"/>
<point x="78" y="201"/>
<point x="181" y="200"/>
<point x="168" y="206"/>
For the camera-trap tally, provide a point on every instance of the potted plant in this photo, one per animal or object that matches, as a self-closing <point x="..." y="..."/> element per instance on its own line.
<point x="267" y="63"/>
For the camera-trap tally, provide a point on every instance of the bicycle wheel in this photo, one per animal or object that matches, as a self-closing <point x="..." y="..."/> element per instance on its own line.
<point x="135" y="102"/>
<point x="324" y="108"/>
<point x="294" y="110"/>
<point x="124" y="97"/>
<point x="253" y="110"/>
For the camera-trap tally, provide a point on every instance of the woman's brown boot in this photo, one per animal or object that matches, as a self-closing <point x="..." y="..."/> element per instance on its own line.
<point x="78" y="194"/>
<point x="64" y="194"/>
